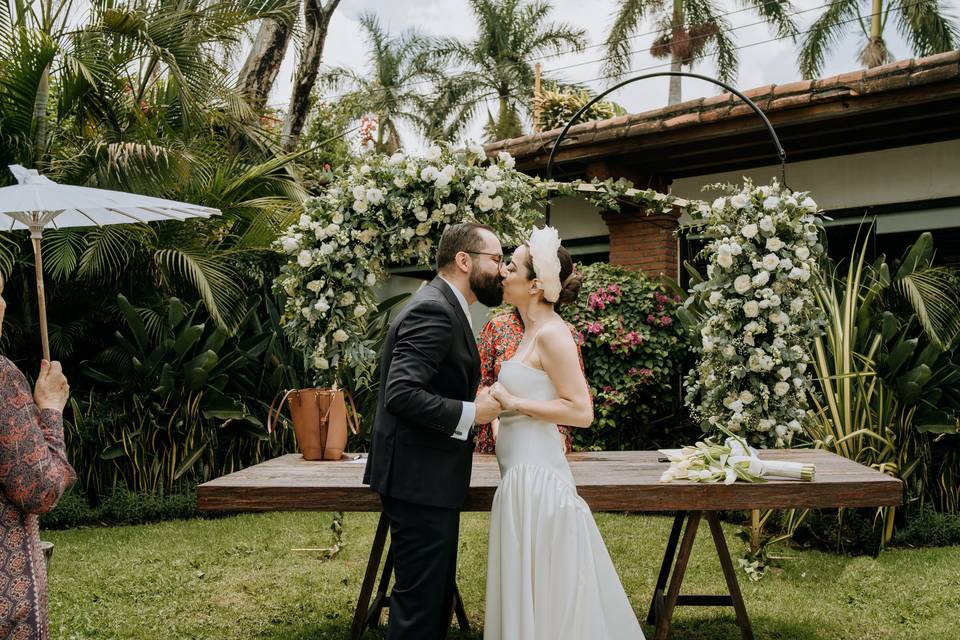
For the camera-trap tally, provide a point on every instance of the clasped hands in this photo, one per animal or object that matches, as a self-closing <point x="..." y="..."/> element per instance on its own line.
<point x="492" y="401"/>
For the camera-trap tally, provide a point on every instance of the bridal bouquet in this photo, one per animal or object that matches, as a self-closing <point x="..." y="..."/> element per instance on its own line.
<point x="709" y="461"/>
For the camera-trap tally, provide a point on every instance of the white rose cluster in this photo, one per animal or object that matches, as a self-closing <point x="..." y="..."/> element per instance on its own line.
<point x="381" y="211"/>
<point x="760" y="313"/>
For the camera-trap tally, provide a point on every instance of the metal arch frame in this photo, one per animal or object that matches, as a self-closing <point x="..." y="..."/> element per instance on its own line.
<point x="556" y="145"/>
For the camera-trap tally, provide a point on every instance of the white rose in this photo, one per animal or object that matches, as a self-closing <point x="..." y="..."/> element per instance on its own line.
<point x="506" y="159"/>
<point x="321" y="305"/>
<point x="442" y="181"/>
<point x="359" y="311"/>
<point x="802" y="252"/>
<point x="796" y="305"/>
<point x="361" y="206"/>
<point x="781" y="430"/>
<point x="751" y="308"/>
<point x="781" y="388"/>
<point x="305" y="258"/>
<point x="725" y="260"/>
<point x="433" y="153"/>
<point x="359" y="192"/>
<point x="423" y="228"/>
<point x="420" y="214"/>
<point x="741" y="284"/>
<point x="400" y="183"/>
<point x="406" y="233"/>
<point x="774" y="244"/>
<point x="799" y="274"/>
<point x="484" y="202"/>
<point x="761" y="278"/>
<point x="326" y="249"/>
<point x="783" y="372"/>
<point x="493" y="172"/>
<point x="715" y="298"/>
<point x="809" y="204"/>
<point x="765" y="424"/>
<point x="770" y="262"/>
<point x="749" y="231"/>
<point x="429" y="174"/>
<point x="347" y="299"/>
<point x="340" y="336"/>
<point x="766" y="224"/>
<point x="397" y="158"/>
<point x="488" y="188"/>
<point x="371" y="279"/>
<point x="375" y="196"/>
<point x="739" y="201"/>
<point x="449" y="209"/>
<point x="719" y="204"/>
<point x="478" y="151"/>
<point x="771" y="203"/>
<point x="746" y="397"/>
<point x="290" y="244"/>
<point x="321" y="363"/>
<point x="497" y="203"/>
<point x="307" y="313"/>
<point x="315" y="286"/>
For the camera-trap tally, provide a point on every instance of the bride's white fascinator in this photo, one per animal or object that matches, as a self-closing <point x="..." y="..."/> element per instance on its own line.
<point x="543" y="245"/>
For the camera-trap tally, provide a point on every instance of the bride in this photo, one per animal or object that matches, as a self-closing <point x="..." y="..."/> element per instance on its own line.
<point x="549" y="575"/>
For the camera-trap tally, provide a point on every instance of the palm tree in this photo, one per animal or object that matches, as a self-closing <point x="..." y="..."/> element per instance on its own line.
<point x="924" y="23"/>
<point x="498" y="64"/>
<point x="686" y="28"/>
<point x="143" y="101"/>
<point x="398" y="67"/>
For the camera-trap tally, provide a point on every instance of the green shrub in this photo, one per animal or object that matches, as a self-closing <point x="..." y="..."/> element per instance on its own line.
<point x="73" y="510"/>
<point x="120" y="507"/>
<point x="929" y="528"/>
<point x="635" y="353"/>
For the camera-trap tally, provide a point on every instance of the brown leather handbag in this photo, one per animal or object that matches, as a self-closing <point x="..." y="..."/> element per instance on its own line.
<point x="320" y="420"/>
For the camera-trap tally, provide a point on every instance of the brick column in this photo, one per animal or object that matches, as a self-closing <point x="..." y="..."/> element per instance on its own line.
<point x="644" y="242"/>
<point x="636" y="239"/>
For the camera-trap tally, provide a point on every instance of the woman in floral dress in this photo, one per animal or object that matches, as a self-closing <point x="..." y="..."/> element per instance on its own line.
<point x="34" y="473"/>
<point x="498" y="341"/>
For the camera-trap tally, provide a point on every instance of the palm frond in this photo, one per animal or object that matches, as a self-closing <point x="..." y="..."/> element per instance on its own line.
<point x="823" y="35"/>
<point x="927" y="26"/>
<point x="213" y="279"/>
<point x="626" y="22"/>
<point x="932" y="294"/>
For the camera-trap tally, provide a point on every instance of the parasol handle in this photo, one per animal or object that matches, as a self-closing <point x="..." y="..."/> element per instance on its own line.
<point x="35" y="235"/>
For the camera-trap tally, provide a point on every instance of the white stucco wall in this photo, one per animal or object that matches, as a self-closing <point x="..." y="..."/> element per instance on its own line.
<point x="918" y="172"/>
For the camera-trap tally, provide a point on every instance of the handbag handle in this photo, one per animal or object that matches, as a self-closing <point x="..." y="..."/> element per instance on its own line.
<point x="274" y="416"/>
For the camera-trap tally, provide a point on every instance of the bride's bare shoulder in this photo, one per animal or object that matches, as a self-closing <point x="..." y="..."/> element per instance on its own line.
<point x="556" y="336"/>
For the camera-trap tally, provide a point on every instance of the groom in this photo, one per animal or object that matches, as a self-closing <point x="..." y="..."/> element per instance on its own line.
<point x="422" y="446"/>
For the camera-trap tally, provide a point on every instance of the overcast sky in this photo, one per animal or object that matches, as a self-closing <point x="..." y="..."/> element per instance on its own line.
<point x="761" y="62"/>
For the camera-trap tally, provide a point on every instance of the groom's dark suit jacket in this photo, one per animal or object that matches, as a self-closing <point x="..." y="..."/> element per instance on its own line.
<point x="429" y="366"/>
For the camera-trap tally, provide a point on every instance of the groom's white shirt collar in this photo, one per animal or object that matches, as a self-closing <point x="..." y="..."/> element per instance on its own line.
<point x="461" y="299"/>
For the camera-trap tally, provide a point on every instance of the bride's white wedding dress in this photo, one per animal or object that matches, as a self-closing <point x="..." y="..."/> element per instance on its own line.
<point x="549" y="576"/>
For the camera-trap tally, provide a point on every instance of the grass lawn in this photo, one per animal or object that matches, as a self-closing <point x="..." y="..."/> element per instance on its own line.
<point x="237" y="577"/>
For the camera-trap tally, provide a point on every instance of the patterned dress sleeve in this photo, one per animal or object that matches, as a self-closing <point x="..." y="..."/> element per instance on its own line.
<point x="34" y="471"/>
<point x="487" y="346"/>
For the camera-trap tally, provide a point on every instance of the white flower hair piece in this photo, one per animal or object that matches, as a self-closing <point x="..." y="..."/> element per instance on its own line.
<point x="544" y="244"/>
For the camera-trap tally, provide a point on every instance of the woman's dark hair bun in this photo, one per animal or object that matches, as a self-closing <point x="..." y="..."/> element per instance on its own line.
<point x="570" y="281"/>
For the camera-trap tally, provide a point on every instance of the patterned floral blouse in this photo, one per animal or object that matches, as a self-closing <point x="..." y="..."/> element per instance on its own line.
<point x="498" y="341"/>
<point x="34" y="473"/>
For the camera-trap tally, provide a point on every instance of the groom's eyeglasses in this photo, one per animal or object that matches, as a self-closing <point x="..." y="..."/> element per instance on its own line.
<point x="497" y="257"/>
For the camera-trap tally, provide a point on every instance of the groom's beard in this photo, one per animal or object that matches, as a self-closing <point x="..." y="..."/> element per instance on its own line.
<point x="487" y="287"/>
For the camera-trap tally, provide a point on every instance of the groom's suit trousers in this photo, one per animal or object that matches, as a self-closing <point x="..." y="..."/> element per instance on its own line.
<point x="424" y="543"/>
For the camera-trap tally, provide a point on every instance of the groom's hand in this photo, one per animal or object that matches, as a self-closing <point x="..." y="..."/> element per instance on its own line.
<point x="488" y="409"/>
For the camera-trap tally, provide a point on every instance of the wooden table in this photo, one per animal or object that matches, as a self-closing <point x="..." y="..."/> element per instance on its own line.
<point x="608" y="481"/>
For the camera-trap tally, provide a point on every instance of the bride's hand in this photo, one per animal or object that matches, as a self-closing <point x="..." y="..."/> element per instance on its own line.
<point x="504" y="397"/>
